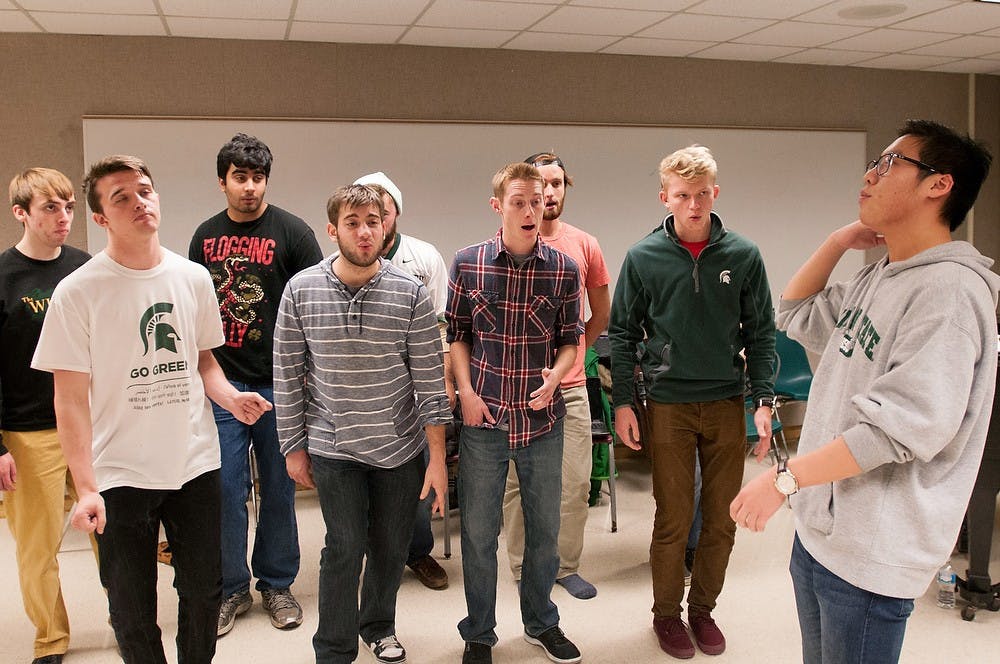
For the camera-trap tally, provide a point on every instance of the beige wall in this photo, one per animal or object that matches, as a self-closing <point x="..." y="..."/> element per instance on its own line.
<point x="52" y="80"/>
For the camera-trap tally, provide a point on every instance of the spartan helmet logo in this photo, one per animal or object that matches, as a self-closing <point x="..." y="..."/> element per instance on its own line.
<point x="152" y="324"/>
<point x="724" y="277"/>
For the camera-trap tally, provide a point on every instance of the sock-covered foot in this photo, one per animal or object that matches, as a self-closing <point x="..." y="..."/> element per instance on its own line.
<point x="577" y="586"/>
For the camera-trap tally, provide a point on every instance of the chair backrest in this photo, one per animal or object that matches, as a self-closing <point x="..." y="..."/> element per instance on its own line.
<point x="795" y="375"/>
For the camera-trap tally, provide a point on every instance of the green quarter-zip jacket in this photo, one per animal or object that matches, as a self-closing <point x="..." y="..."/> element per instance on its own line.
<point x="685" y="321"/>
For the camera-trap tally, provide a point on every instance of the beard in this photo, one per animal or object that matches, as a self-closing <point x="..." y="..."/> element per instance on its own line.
<point x="357" y="258"/>
<point x="553" y="213"/>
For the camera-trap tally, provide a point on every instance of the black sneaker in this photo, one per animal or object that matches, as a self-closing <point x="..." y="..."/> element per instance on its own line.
<point x="556" y="645"/>
<point x="387" y="650"/>
<point x="477" y="653"/>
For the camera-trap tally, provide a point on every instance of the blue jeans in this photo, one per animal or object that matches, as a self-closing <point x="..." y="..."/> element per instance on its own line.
<point x="127" y="561"/>
<point x="422" y="542"/>
<point x="841" y="623"/>
<point x="275" y="558"/>
<point x="368" y="511"/>
<point x="483" y="464"/>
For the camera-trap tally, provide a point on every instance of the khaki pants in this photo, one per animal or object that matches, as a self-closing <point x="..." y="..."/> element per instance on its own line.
<point x="36" y="514"/>
<point x="576" y="466"/>
<point x="716" y="432"/>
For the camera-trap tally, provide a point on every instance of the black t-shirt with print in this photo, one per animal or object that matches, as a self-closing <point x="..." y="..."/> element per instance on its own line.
<point x="250" y="263"/>
<point x="26" y="286"/>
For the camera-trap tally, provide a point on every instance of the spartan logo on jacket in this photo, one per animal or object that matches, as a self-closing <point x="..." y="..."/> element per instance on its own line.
<point x="863" y="336"/>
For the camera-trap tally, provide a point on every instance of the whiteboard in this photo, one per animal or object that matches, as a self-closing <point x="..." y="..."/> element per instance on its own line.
<point x="784" y="189"/>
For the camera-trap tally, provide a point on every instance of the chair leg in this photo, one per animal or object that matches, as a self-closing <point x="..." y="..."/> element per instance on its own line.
<point x="447" y="530"/>
<point x="611" y="486"/>
<point x="254" y="484"/>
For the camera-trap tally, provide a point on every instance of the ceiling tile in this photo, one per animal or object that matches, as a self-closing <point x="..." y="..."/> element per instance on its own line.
<point x="551" y="41"/>
<point x="91" y="6"/>
<point x="421" y="36"/>
<point x="704" y="28"/>
<point x="963" y="17"/>
<point x="825" y="56"/>
<point x="756" y="9"/>
<point x="969" y="66"/>
<point x="6" y="4"/>
<point x="796" y="33"/>
<point x="397" y="12"/>
<point x="898" y="61"/>
<point x="677" y="48"/>
<point x="100" y="24"/>
<point x="14" y="21"/>
<point x="274" y="9"/>
<point x="494" y="15"/>
<point x="992" y="33"/>
<point x="227" y="28"/>
<point x="888" y="40"/>
<point x="970" y="46"/>
<point x="651" y="5"/>
<point x="593" y="21"/>
<point x="838" y="12"/>
<point x="351" y="33"/>
<point x="745" y="52"/>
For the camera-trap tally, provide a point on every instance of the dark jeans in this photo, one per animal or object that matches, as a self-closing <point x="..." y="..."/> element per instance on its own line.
<point x="484" y="461"/>
<point x="275" y="558"/>
<point x="841" y="623"/>
<point x="368" y="512"/>
<point x="190" y="517"/>
<point x="715" y="432"/>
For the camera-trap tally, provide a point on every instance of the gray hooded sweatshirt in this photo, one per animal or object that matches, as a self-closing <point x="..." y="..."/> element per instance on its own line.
<point x="909" y="358"/>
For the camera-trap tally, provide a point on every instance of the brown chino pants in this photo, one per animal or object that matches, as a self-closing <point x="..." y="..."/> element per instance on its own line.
<point x="716" y="432"/>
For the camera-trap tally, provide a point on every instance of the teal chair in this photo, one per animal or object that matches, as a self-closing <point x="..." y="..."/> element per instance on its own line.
<point x="794" y="373"/>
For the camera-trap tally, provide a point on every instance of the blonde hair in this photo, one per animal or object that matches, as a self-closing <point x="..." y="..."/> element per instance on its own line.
<point x="515" y="171"/>
<point x="39" y="182"/>
<point x="689" y="164"/>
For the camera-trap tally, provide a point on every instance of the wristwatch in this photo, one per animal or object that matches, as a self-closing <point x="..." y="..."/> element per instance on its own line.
<point x="764" y="401"/>
<point x="785" y="481"/>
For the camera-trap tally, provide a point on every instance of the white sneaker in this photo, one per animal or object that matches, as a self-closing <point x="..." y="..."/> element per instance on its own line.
<point x="387" y="650"/>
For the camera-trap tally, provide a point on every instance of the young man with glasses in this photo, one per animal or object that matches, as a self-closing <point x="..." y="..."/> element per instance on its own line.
<point x="578" y="443"/>
<point x="696" y="294"/>
<point x="900" y="402"/>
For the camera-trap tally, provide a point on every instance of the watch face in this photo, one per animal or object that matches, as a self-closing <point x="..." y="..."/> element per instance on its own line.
<point x="786" y="484"/>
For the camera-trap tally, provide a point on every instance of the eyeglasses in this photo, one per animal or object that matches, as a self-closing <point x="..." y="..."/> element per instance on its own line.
<point x="884" y="163"/>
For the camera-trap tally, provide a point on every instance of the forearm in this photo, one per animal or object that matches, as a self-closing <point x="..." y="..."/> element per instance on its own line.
<point x="461" y="362"/>
<point x="435" y="442"/>
<point x="75" y="432"/>
<point x="565" y="357"/>
<point x="814" y="274"/>
<point x="830" y="463"/>
<point x="217" y="386"/>
<point x="600" y="314"/>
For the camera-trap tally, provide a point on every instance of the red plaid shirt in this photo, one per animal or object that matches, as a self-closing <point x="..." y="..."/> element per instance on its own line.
<point x="514" y="320"/>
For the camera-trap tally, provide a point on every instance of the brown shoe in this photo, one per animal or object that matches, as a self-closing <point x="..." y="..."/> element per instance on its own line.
<point x="430" y="573"/>
<point x="707" y="634"/>
<point x="673" y="637"/>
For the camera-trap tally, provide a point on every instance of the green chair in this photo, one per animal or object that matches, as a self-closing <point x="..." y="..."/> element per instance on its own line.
<point x="603" y="437"/>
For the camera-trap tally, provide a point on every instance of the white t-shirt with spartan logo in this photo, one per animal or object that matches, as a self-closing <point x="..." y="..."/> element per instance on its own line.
<point x="138" y="334"/>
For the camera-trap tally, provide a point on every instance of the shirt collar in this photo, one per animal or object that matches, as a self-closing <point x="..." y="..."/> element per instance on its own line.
<point x="541" y="250"/>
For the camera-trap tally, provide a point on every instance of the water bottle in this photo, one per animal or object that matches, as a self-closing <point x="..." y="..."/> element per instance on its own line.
<point x="946" y="587"/>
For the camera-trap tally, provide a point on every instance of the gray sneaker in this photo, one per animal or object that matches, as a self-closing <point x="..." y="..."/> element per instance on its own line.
<point x="232" y="606"/>
<point x="282" y="606"/>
